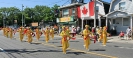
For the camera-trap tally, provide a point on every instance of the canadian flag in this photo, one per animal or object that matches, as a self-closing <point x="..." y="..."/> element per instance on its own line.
<point x="86" y="10"/>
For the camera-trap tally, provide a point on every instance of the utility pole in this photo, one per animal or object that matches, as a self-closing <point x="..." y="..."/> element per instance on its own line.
<point x="3" y="21"/>
<point x="22" y="16"/>
<point x="95" y="13"/>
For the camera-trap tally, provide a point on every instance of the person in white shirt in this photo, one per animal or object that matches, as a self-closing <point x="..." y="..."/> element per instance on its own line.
<point x="128" y="32"/>
<point x="73" y="31"/>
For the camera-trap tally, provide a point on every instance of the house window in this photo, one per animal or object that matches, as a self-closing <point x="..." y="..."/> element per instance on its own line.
<point x="97" y="8"/>
<point x="126" y="22"/>
<point x="65" y="12"/>
<point x="73" y="11"/>
<point x="113" y="21"/>
<point x="122" y="6"/>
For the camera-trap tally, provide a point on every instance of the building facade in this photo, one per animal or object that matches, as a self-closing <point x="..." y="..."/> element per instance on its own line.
<point x="74" y="13"/>
<point x="93" y="13"/>
<point x="68" y="13"/>
<point x="120" y="15"/>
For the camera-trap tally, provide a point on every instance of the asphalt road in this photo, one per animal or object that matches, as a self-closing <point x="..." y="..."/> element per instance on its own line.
<point x="13" y="48"/>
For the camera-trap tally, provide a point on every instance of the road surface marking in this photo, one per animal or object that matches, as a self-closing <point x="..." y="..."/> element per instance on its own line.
<point x="4" y="52"/>
<point x="98" y="54"/>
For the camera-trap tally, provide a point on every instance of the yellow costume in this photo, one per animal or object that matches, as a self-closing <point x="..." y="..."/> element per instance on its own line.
<point x="104" y="33"/>
<point x="11" y="33"/>
<point x="46" y="33"/>
<point x="100" y="34"/>
<point x="7" y="32"/>
<point x="38" y="33"/>
<point x="86" y="34"/>
<point x="29" y="34"/>
<point x="68" y="32"/>
<point x="65" y="43"/>
<point x="21" y="33"/>
<point x="52" y="33"/>
<point x="4" y="31"/>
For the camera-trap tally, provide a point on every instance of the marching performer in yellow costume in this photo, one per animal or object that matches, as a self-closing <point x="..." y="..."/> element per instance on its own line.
<point x="29" y="34"/>
<point x="100" y="34"/>
<point x="65" y="43"/>
<point x="52" y="32"/>
<point x="68" y="32"/>
<point x="21" y="34"/>
<point x="38" y="33"/>
<point x="7" y="32"/>
<point x="4" y="31"/>
<point x="104" y="33"/>
<point x="86" y="37"/>
<point x="47" y="33"/>
<point x="11" y="33"/>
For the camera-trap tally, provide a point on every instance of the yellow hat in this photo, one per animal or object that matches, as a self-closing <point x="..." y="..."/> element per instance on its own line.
<point x="86" y="25"/>
<point x="104" y="27"/>
<point x="63" y="27"/>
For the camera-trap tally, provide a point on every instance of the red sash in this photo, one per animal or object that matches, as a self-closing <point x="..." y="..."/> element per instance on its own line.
<point x="25" y="31"/>
<point x="65" y="38"/>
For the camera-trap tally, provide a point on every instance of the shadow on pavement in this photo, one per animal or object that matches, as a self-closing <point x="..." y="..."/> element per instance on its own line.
<point x="97" y="50"/>
<point x="36" y="43"/>
<point x="76" y="53"/>
<point x="117" y="46"/>
<point x="59" y="46"/>
<point x="28" y="51"/>
<point x="53" y="42"/>
<point x="57" y="39"/>
<point x="74" y="41"/>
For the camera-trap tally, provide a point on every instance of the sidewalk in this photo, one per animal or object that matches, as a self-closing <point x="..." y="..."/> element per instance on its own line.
<point x="120" y="40"/>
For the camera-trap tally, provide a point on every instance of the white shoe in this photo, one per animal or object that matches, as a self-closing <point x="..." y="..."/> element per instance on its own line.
<point x="84" y="46"/>
<point x="88" y="49"/>
<point x="104" y="45"/>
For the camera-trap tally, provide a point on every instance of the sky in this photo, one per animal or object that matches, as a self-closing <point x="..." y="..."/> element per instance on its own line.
<point x="32" y="3"/>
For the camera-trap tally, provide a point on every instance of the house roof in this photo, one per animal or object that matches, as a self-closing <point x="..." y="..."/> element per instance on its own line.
<point x="105" y="2"/>
<point x="70" y="5"/>
<point x="118" y="14"/>
<point x="114" y="11"/>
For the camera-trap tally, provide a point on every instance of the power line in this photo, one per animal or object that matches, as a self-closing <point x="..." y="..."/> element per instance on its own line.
<point x="55" y="2"/>
<point x="65" y="2"/>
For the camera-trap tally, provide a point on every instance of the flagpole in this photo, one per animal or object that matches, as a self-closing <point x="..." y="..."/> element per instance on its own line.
<point x="95" y="13"/>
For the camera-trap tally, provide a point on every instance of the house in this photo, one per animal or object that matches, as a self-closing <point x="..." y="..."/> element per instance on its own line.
<point x="68" y="13"/>
<point x="93" y="13"/>
<point x="120" y="15"/>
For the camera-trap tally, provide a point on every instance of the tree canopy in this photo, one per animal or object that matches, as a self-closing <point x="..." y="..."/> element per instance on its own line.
<point x="37" y="14"/>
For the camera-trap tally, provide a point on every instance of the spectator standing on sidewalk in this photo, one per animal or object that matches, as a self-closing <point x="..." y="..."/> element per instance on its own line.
<point x="128" y="33"/>
<point x="78" y="29"/>
<point x="73" y="31"/>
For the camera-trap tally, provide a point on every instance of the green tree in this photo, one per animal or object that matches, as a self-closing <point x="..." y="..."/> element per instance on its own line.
<point x="13" y="15"/>
<point x="55" y="12"/>
<point x="29" y="15"/>
<point x="5" y="13"/>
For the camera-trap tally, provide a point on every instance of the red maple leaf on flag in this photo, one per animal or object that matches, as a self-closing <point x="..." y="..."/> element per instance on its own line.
<point x="84" y="11"/>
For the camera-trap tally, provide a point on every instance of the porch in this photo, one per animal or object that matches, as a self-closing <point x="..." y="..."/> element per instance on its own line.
<point x="119" y="20"/>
